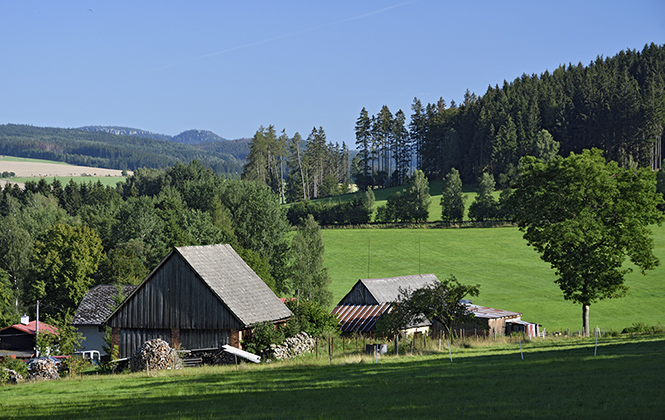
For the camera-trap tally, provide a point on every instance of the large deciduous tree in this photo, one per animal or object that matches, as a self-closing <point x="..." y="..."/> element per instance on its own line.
<point x="585" y="216"/>
<point x="64" y="260"/>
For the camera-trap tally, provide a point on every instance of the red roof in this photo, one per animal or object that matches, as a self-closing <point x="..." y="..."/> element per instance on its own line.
<point x="31" y="328"/>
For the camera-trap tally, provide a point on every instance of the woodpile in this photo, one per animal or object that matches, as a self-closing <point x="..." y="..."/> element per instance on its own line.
<point x="217" y="357"/>
<point x="292" y="347"/>
<point x="42" y="369"/>
<point x="155" y="355"/>
<point x="13" y="377"/>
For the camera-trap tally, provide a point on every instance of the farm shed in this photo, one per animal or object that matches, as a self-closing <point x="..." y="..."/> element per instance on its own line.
<point x="502" y="322"/>
<point x="94" y="309"/>
<point x="19" y="339"/>
<point x="369" y="299"/>
<point x="197" y="297"/>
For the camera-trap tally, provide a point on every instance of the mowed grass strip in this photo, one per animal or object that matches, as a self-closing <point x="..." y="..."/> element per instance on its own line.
<point x="511" y="274"/>
<point x="556" y="379"/>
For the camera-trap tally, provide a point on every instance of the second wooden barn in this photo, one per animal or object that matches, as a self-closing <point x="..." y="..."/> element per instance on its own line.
<point x="197" y="297"/>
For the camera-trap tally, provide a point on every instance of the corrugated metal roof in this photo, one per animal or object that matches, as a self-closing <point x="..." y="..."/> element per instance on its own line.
<point x="491" y="313"/>
<point x="387" y="289"/>
<point x="99" y="303"/>
<point x="360" y="318"/>
<point x="31" y="328"/>
<point x="235" y="283"/>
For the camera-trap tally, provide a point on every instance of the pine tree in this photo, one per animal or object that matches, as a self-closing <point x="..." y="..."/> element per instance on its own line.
<point x="363" y="145"/>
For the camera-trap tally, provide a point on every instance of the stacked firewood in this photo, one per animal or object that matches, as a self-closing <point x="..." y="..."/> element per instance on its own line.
<point x="217" y="357"/>
<point x="13" y="377"/>
<point x="43" y="368"/>
<point x="155" y="355"/>
<point x="292" y="347"/>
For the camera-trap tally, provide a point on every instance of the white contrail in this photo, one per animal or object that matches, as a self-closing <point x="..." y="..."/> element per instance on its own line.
<point x="253" y="44"/>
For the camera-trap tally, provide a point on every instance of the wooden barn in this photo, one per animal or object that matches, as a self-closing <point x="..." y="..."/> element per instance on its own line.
<point x="198" y="297"/>
<point x="369" y="299"/>
<point x="95" y="307"/>
<point x="19" y="339"/>
<point x="502" y="322"/>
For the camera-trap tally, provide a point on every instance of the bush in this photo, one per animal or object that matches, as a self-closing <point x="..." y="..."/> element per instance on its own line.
<point x="75" y="365"/>
<point x="14" y="364"/>
<point x="311" y="318"/>
<point x="642" y="328"/>
<point x="262" y="336"/>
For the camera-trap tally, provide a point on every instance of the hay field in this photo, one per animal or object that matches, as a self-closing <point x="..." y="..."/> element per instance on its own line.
<point x="35" y="168"/>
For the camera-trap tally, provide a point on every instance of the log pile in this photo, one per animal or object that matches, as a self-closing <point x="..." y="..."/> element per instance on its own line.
<point x="217" y="357"/>
<point x="42" y="369"/>
<point x="292" y="347"/>
<point x="13" y="377"/>
<point x="155" y="355"/>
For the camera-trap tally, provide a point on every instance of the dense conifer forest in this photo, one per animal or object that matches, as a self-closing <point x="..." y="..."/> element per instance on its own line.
<point x="615" y="104"/>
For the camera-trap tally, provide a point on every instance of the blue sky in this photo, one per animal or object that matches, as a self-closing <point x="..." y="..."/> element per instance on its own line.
<point x="230" y="67"/>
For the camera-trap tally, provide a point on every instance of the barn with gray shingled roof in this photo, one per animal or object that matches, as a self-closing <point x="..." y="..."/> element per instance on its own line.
<point x="198" y="297"/>
<point x="95" y="307"/>
<point x="369" y="299"/>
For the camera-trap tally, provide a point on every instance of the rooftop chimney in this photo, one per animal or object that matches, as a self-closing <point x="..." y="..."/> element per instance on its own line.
<point x="25" y="320"/>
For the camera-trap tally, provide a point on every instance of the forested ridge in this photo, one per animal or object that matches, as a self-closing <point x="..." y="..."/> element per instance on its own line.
<point x="106" y="150"/>
<point x="616" y="104"/>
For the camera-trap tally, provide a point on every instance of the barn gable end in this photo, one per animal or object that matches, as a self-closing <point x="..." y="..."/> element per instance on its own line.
<point x="198" y="297"/>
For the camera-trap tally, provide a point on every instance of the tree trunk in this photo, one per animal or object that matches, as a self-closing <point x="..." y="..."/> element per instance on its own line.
<point x="585" y="319"/>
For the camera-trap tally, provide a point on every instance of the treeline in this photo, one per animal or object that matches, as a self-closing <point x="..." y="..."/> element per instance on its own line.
<point x="298" y="169"/>
<point x="105" y="150"/>
<point x="615" y="104"/>
<point x="57" y="241"/>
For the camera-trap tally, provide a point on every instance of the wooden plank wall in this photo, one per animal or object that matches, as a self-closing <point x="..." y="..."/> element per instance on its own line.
<point x="174" y="297"/>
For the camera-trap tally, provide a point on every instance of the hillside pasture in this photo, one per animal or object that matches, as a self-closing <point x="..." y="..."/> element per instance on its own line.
<point x="511" y="274"/>
<point x="435" y="190"/>
<point x="555" y="379"/>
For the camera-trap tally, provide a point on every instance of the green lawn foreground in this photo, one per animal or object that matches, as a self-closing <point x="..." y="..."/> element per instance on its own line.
<point x="511" y="274"/>
<point x="556" y="379"/>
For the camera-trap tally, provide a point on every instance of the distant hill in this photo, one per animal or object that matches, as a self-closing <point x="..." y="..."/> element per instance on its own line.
<point x="102" y="147"/>
<point x="197" y="137"/>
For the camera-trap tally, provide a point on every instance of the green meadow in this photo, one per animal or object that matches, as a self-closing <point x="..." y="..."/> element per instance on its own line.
<point x="511" y="274"/>
<point x="555" y="378"/>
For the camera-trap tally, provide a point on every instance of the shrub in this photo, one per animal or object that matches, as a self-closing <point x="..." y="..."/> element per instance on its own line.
<point x="14" y="364"/>
<point x="75" y="365"/>
<point x="311" y="318"/>
<point x="262" y="336"/>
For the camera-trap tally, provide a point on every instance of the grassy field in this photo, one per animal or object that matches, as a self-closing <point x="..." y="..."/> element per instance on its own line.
<point x="556" y="379"/>
<point x="511" y="275"/>
<point x="435" y="187"/>
<point x="35" y="169"/>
